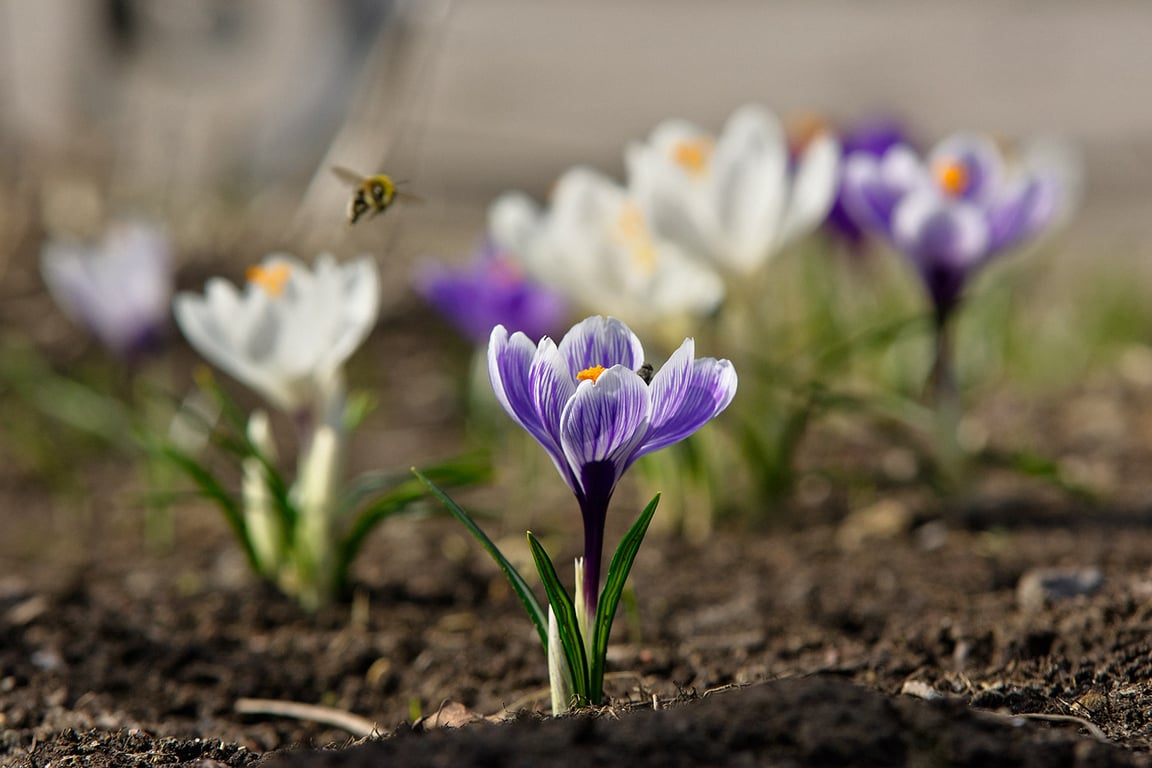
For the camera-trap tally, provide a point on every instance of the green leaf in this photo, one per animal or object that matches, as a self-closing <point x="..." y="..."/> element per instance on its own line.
<point x="396" y="502"/>
<point x="231" y="413"/>
<point x="519" y="586"/>
<point x="566" y="621"/>
<point x="211" y="489"/>
<point x="618" y="571"/>
<point x="462" y="471"/>
<point x="394" y="495"/>
<point x="357" y="408"/>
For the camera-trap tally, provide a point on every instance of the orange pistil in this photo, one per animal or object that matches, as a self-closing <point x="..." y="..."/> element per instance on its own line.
<point x="693" y="155"/>
<point x="272" y="279"/>
<point x="590" y="374"/>
<point x="952" y="178"/>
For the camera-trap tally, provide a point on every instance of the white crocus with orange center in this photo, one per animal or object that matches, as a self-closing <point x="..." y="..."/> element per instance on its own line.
<point x="596" y="245"/>
<point x="736" y="198"/>
<point x="288" y="334"/>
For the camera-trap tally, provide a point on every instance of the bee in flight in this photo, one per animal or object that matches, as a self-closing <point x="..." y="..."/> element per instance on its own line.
<point x="372" y="195"/>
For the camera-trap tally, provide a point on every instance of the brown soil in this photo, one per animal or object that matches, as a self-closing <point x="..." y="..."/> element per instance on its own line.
<point x="820" y="641"/>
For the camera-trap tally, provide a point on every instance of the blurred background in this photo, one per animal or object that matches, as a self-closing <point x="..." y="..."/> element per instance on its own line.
<point x="223" y="117"/>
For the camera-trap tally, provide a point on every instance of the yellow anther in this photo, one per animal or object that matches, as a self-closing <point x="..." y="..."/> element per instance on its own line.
<point x="272" y="279"/>
<point x="952" y="177"/>
<point x="693" y="155"/>
<point x="633" y="233"/>
<point x="590" y="374"/>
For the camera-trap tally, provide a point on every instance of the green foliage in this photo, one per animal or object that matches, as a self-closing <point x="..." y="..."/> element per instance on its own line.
<point x="585" y="659"/>
<point x="290" y="559"/>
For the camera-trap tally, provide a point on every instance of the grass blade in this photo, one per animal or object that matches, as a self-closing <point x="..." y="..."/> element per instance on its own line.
<point x="523" y="591"/>
<point x="210" y="488"/>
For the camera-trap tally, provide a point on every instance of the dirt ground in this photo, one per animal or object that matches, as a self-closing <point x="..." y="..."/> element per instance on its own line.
<point x="902" y="631"/>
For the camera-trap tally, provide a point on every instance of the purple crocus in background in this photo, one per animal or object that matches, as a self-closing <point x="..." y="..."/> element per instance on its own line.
<point x="596" y="408"/>
<point x="119" y="289"/>
<point x="871" y="137"/>
<point x="949" y="214"/>
<point x="952" y="213"/>
<point x="492" y="290"/>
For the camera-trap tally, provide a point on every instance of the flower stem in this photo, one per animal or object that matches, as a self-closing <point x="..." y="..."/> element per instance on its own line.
<point x="943" y="393"/>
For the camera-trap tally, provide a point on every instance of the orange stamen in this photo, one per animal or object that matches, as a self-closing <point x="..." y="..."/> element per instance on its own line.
<point x="632" y="232"/>
<point x="804" y="129"/>
<point x="952" y="178"/>
<point x="693" y="155"/>
<point x="272" y="279"/>
<point x="590" y="374"/>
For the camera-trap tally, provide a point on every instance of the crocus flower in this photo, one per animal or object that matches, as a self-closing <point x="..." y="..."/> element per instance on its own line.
<point x="289" y="333"/>
<point x="594" y="244"/>
<point x="737" y="198"/>
<point x="491" y="291"/>
<point x="951" y="213"/>
<point x="872" y="137"/>
<point x="120" y="289"/>
<point x="595" y="407"/>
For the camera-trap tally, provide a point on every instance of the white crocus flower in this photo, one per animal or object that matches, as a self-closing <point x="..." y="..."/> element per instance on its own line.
<point x="595" y="246"/>
<point x="737" y="198"/>
<point x="289" y="332"/>
<point x="119" y="288"/>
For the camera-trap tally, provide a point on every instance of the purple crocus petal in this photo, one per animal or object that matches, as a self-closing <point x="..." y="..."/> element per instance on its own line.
<point x="708" y="389"/>
<point x="510" y="362"/>
<point x="670" y="384"/>
<point x="1022" y="212"/>
<point x="120" y="289"/>
<point x="946" y="240"/>
<point x="871" y="188"/>
<point x="552" y="386"/>
<point x="980" y="159"/>
<point x="488" y="292"/>
<point x="604" y="420"/>
<point x="601" y="341"/>
<point x="873" y="138"/>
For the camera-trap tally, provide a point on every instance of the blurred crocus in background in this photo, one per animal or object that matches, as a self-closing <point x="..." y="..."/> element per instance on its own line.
<point x="287" y="337"/>
<point x="596" y="245"/>
<point x="871" y="136"/>
<point x="491" y="290"/>
<point x="120" y="288"/>
<point x="949" y="214"/>
<point x="735" y="199"/>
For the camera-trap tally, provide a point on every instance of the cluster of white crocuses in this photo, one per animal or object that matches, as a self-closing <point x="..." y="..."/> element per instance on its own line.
<point x="698" y="211"/>
<point x="287" y="335"/>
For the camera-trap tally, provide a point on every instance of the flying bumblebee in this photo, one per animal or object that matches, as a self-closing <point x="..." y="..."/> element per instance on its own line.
<point x="371" y="196"/>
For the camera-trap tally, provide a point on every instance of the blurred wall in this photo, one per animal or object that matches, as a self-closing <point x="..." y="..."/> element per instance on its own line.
<point x="510" y="92"/>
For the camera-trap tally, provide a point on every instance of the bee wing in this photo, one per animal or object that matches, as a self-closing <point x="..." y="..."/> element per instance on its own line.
<point x="408" y="197"/>
<point x="347" y="176"/>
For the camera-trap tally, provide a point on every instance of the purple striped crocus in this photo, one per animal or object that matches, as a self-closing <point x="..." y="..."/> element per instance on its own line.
<point x="596" y="407"/>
